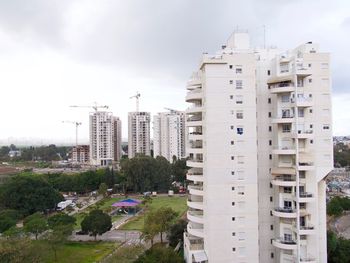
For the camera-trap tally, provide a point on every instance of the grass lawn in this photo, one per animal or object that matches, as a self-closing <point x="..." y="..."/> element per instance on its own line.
<point x="177" y="203"/>
<point x="80" y="252"/>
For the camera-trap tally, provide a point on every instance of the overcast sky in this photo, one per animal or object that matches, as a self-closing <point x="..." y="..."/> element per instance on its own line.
<point x="74" y="52"/>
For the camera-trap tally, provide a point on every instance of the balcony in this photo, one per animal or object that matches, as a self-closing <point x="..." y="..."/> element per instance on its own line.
<point x="308" y="259"/>
<point x="196" y="163"/>
<point x="195" y="176"/>
<point x="305" y="197"/>
<point x="194" y="121"/>
<point x="195" y="216"/>
<point x="194" y="109"/>
<point x="194" y="95"/>
<point x="282" y="88"/>
<point x="196" y="190"/>
<point x="284" y="243"/>
<point x="306" y="166"/>
<point x="284" y="150"/>
<point x="193" y="243"/>
<point x="195" y="136"/>
<point x="286" y="181"/>
<point x="303" y="134"/>
<point x="284" y="212"/>
<point x="195" y="229"/>
<point x="302" y="71"/>
<point x="283" y="170"/>
<point x="283" y="118"/>
<point x="303" y="102"/>
<point x="195" y="147"/>
<point x="305" y="230"/>
<point x="195" y="202"/>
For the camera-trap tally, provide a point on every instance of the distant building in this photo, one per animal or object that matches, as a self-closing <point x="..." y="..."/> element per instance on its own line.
<point x="105" y="138"/>
<point x="14" y="153"/>
<point x="169" y="135"/>
<point x="81" y="154"/>
<point x="139" y="133"/>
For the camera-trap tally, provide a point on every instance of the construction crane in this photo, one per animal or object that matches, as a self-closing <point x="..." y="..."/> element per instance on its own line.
<point x="95" y="107"/>
<point x="76" y="123"/>
<point x="172" y="110"/>
<point x="137" y="97"/>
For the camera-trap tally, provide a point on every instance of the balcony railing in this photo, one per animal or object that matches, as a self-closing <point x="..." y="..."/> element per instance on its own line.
<point x="195" y="187"/>
<point x="284" y="210"/>
<point x="309" y="227"/>
<point x="286" y="241"/>
<point x="307" y="259"/>
<point x="305" y="195"/>
<point x="285" y="178"/>
<point x="300" y="100"/>
<point x="306" y="163"/>
<point x="194" y="119"/>
<point x="284" y="148"/>
<point x="196" y="133"/>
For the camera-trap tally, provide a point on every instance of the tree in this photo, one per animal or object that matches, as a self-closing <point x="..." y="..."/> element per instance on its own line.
<point x="179" y="169"/>
<point x="29" y="194"/>
<point x="338" y="249"/>
<point x="35" y="224"/>
<point x="165" y="217"/>
<point x="160" y="254"/>
<point x="102" y="190"/>
<point x="60" y="219"/>
<point x="58" y="236"/>
<point x="96" y="223"/>
<point x="20" y="250"/>
<point x="334" y="207"/>
<point x="175" y="233"/>
<point x="150" y="227"/>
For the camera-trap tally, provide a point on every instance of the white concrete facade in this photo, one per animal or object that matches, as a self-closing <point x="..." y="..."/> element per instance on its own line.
<point x="105" y="138"/>
<point x="139" y="140"/>
<point x="259" y="147"/>
<point x="169" y="135"/>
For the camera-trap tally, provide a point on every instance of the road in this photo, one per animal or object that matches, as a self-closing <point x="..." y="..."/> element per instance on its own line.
<point x="132" y="237"/>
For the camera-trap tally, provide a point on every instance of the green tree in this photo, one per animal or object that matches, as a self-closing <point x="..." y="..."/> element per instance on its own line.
<point x="179" y="169"/>
<point x="60" y="219"/>
<point x="160" y="254"/>
<point x="20" y="250"/>
<point x="58" y="236"/>
<point x="29" y="194"/>
<point x="338" y="249"/>
<point x="96" y="223"/>
<point x="150" y="227"/>
<point x="6" y="223"/>
<point x="334" y="207"/>
<point x="35" y="224"/>
<point x="176" y="231"/>
<point x="165" y="218"/>
<point x="102" y="190"/>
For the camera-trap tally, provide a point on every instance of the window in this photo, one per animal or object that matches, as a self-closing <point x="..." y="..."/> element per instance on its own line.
<point x="285" y="98"/>
<point x="309" y="65"/>
<point x="239" y="84"/>
<point x="231" y="81"/>
<point x="232" y="157"/>
<point x="311" y="126"/>
<point x="272" y="255"/>
<point x="238" y="70"/>
<point x="239" y="115"/>
<point x="270" y="128"/>
<point x="271" y="227"/>
<point x="310" y="80"/>
<point x="311" y="141"/>
<point x="230" y="66"/>
<point x="234" y="249"/>
<point x="239" y="99"/>
<point x="268" y="73"/>
<point x="240" y="130"/>
<point x="269" y="100"/>
<point x="270" y="156"/>
<point x="300" y="112"/>
<point x="310" y="110"/>
<point x="233" y="203"/>
<point x="326" y="126"/>
<point x="270" y="114"/>
<point x="271" y="199"/>
<point x="232" y="127"/>
<point x="270" y="142"/>
<point x="233" y="218"/>
<point x="233" y="234"/>
<point x="232" y="188"/>
<point x="232" y="173"/>
<point x="231" y="97"/>
<point x="232" y="142"/>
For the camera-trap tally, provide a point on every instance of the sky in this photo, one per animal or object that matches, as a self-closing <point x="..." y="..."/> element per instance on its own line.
<point x="58" y="53"/>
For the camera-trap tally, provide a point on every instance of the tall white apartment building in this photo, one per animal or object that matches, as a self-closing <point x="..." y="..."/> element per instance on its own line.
<point x="139" y="133"/>
<point x="169" y="135"/>
<point x="105" y="138"/>
<point x="259" y="148"/>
